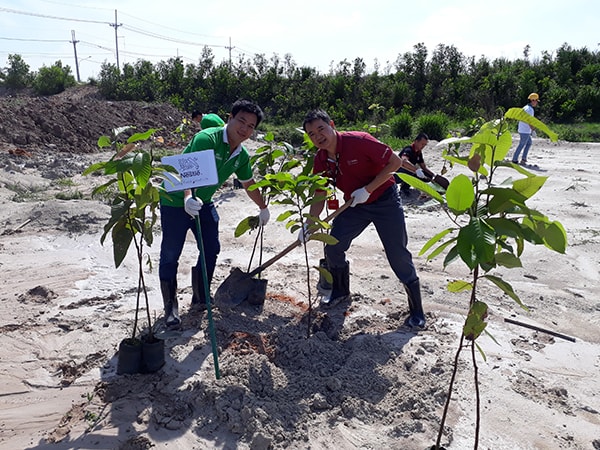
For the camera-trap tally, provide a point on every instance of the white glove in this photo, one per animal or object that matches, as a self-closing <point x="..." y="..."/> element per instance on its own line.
<point x="303" y="234"/>
<point x="264" y="216"/>
<point x="192" y="205"/>
<point x="359" y="196"/>
<point x="419" y="172"/>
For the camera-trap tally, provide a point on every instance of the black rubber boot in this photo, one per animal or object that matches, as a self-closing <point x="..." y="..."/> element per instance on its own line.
<point x="340" y="287"/>
<point x="416" y="317"/>
<point x="323" y="286"/>
<point x="169" y="294"/>
<point x="198" y="297"/>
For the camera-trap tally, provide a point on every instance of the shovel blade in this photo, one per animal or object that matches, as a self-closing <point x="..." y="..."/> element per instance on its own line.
<point x="239" y="286"/>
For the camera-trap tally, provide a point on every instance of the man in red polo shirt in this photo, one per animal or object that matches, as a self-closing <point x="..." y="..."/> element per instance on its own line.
<point x="362" y="168"/>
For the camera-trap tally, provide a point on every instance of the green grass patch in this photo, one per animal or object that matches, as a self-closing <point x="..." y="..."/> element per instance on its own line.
<point x="577" y="132"/>
<point x="27" y="193"/>
<point x="64" y="182"/>
<point x="70" y="195"/>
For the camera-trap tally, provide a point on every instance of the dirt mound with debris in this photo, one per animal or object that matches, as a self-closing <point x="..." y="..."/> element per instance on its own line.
<point x="72" y="121"/>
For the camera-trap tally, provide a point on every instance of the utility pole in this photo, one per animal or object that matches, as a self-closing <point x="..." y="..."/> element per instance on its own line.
<point x="115" y="26"/>
<point x="229" y="48"/>
<point x="75" y="52"/>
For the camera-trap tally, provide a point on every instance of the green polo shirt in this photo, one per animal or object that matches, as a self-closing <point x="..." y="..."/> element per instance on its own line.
<point x="238" y="162"/>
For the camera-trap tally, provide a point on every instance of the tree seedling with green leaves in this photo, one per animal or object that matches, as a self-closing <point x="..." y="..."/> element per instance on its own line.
<point x="288" y="181"/>
<point x="491" y="223"/>
<point x="134" y="204"/>
<point x="267" y="160"/>
<point x="298" y="192"/>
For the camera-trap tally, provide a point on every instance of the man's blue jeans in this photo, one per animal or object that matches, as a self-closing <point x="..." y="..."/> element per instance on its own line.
<point x="387" y="215"/>
<point x="525" y="145"/>
<point x="175" y="223"/>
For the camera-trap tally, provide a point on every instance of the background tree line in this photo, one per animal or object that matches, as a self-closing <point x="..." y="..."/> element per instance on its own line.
<point x="442" y="86"/>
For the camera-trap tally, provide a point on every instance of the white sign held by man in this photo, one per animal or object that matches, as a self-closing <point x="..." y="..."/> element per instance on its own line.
<point x="195" y="169"/>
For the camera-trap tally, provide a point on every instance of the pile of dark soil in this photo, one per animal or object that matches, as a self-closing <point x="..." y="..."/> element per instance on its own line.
<point x="73" y="120"/>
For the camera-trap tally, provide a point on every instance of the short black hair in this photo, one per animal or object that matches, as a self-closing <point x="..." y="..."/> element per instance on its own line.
<point x="315" y="114"/>
<point x="249" y="107"/>
<point x="421" y="135"/>
<point x="195" y="113"/>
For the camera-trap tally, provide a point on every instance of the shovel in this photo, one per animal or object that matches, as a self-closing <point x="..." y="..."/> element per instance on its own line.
<point x="239" y="286"/>
<point x="441" y="181"/>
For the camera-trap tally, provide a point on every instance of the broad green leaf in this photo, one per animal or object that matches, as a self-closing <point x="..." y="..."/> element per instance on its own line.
<point x="476" y="243"/>
<point x="479" y="349"/>
<point x="289" y="165"/>
<point x="94" y="167"/>
<point x="464" y="246"/>
<point x="118" y="211"/>
<point x="555" y="237"/>
<point x="147" y="233"/>
<point x="325" y="273"/>
<point x="507" y="288"/>
<point x="122" y="237"/>
<point x="505" y="227"/>
<point x="103" y="187"/>
<point x="521" y="115"/>
<point x="285" y="215"/>
<point x="488" y="334"/>
<point x="435" y="239"/>
<point x="529" y="186"/>
<point x="503" y="199"/>
<point x="422" y="186"/>
<point x="323" y="237"/>
<point x="245" y="225"/>
<point x="507" y="259"/>
<point x="460" y="194"/>
<point x="440" y="249"/>
<point x="142" y="167"/>
<point x="136" y="137"/>
<point x="534" y="228"/>
<point x="459" y="286"/>
<point x="519" y="168"/>
<point x="451" y="256"/>
<point x="475" y="322"/>
<point x="463" y="160"/>
<point x="104" y="141"/>
<point x="292" y="225"/>
<point x="285" y="201"/>
<point x="495" y="146"/>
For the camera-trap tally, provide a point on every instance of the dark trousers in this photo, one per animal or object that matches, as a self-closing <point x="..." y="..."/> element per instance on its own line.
<point x="404" y="186"/>
<point x="387" y="215"/>
<point x="175" y="223"/>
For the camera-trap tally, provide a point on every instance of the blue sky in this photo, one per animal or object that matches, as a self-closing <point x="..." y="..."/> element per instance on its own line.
<point x="314" y="33"/>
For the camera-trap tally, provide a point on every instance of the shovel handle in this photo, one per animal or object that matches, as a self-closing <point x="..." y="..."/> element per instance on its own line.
<point x="296" y="243"/>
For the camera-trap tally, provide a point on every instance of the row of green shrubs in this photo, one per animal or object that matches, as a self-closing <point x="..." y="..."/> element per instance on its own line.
<point x="46" y="81"/>
<point x="400" y="129"/>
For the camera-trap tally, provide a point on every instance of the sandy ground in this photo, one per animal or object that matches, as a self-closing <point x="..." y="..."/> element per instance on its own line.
<point x="361" y="381"/>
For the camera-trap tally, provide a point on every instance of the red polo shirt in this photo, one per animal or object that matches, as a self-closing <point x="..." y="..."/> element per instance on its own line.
<point x="360" y="158"/>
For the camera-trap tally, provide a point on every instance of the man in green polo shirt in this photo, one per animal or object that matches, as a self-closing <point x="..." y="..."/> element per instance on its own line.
<point x="179" y="209"/>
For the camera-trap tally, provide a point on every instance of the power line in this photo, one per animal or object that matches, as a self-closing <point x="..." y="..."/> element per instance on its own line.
<point x="166" y="38"/>
<point x="129" y="28"/>
<point x="45" y="16"/>
<point x="33" y="40"/>
<point x="169" y="28"/>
